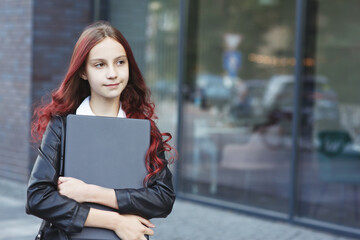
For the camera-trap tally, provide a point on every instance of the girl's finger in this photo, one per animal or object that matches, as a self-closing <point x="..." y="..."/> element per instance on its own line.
<point x="146" y="222"/>
<point x="65" y="179"/>
<point x="149" y="231"/>
<point x="61" y="179"/>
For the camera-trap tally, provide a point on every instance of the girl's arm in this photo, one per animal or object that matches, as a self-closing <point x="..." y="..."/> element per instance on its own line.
<point x="156" y="200"/>
<point x="82" y="192"/>
<point x="43" y="199"/>
<point x="125" y="226"/>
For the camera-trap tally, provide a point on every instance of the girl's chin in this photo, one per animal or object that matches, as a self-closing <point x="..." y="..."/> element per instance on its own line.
<point x="108" y="97"/>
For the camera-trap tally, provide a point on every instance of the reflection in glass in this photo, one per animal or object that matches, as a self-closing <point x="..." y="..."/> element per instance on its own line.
<point x="161" y="58"/>
<point x="236" y="143"/>
<point x="329" y="170"/>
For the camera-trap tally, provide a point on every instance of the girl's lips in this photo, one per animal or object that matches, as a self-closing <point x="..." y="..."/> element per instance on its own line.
<point x="112" y="85"/>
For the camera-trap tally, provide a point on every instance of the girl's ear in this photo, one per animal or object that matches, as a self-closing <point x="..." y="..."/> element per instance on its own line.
<point x="83" y="76"/>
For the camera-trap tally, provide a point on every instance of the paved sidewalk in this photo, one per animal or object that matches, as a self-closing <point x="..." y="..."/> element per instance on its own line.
<point x="188" y="221"/>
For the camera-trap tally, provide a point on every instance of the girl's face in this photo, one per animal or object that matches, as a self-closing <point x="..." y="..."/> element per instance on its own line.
<point x="107" y="70"/>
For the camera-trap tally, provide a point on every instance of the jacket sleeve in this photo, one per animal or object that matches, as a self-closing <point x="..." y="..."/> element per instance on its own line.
<point x="155" y="200"/>
<point x="43" y="199"/>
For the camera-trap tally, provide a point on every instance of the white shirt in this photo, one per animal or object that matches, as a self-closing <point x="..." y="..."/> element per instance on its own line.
<point x="85" y="109"/>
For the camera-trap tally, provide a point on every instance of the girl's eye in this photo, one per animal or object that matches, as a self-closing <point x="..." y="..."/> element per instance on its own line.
<point x="99" y="65"/>
<point x="120" y="62"/>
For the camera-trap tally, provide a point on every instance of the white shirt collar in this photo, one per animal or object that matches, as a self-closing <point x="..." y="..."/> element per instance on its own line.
<point x="85" y="109"/>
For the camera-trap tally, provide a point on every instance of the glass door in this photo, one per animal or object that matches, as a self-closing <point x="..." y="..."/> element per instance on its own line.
<point x="238" y="101"/>
<point x="329" y="160"/>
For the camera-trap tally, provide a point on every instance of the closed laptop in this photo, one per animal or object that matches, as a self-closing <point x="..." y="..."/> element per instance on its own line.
<point x="109" y="152"/>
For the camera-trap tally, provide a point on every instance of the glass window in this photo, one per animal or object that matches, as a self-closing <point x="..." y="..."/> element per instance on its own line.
<point x="330" y="128"/>
<point x="152" y="30"/>
<point x="161" y="61"/>
<point x="238" y="101"/>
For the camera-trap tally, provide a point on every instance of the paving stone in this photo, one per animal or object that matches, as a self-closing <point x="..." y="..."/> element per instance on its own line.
<point x="188" y="221"/>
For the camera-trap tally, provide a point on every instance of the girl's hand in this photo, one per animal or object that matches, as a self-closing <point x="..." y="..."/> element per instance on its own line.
<point x="73" y="188"/>
<point x="132" y="227"/>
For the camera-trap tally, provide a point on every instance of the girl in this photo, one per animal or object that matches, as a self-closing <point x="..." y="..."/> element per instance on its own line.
<point x="103" y="79"/>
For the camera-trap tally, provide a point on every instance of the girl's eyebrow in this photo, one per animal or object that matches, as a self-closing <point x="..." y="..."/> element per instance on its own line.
<point x="101" y="59"/>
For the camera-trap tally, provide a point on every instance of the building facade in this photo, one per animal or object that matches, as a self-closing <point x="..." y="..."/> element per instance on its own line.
<point x="260" y="96"/>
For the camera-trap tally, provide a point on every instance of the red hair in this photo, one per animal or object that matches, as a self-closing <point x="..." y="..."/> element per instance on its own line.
<point x="135" y="98"/>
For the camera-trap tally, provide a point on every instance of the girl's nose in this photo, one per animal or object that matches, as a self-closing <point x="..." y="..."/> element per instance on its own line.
<point x="111" y="74"/>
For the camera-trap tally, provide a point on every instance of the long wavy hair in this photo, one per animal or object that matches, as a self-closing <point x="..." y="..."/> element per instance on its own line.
<point x="135" y="98"/>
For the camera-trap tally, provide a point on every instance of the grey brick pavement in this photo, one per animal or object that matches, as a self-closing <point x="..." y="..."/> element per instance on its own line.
<point x="188" y="221"/>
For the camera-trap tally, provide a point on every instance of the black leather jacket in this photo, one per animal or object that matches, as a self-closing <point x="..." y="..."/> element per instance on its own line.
<point x="65" y="214"/>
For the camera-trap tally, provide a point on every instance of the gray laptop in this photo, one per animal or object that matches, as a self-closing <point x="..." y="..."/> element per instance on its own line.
<point x="109" y="152"/>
